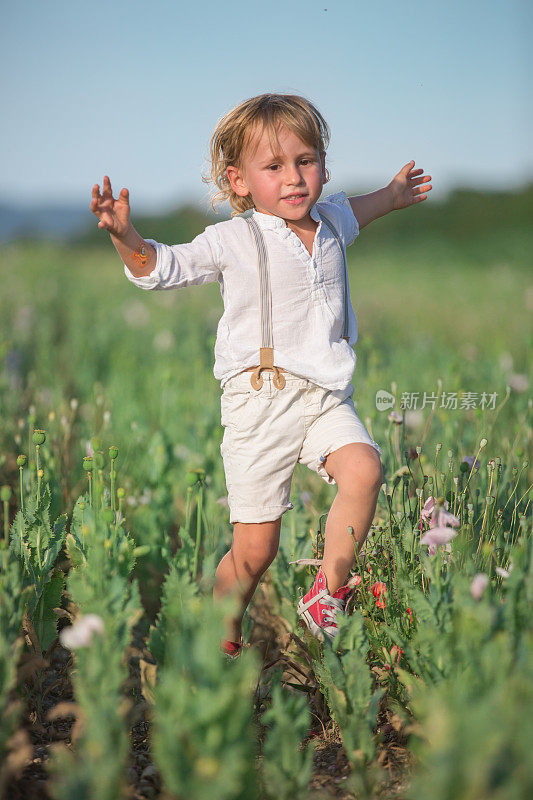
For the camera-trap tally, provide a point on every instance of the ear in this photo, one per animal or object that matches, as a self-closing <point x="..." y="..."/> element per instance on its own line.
<point x="237" y="182"/>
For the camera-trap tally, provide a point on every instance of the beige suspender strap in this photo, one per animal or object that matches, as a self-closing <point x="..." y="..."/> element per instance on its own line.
<point x="333" y="230"/>
<point x="266" y="351"/>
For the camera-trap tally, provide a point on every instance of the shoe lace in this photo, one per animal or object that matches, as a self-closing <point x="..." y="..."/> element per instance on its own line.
<point x="335" y="604"/>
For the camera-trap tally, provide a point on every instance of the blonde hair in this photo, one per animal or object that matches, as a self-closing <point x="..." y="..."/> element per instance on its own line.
<point x="233" y="134"/>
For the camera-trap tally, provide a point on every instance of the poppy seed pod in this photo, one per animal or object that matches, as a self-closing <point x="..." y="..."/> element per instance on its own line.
<point x="113" y="452"/>
<point x="21" y="460"/>
<point x="5" y="493"/>
<point x="39" y="437"/>
<point x="142" y="550"/>
<point x="121" y="493"/>
<point x="108" y="515"/>
<point x="99" y="459"/>
<point x="87" y="463"/>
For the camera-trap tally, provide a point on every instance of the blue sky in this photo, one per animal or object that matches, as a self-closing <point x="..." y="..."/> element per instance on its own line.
<point x="134" y="90"/>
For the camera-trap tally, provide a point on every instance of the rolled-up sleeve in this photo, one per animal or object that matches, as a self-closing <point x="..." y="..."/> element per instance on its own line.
<point x="180" y="265"/>
<point x="346" y="221"/>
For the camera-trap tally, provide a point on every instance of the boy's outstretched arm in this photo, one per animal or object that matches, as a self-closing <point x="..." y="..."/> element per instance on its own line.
<point x="404" y="190"/>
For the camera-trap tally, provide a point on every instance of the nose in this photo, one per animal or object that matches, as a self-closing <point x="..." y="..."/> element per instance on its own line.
<point x="293" y="177"/>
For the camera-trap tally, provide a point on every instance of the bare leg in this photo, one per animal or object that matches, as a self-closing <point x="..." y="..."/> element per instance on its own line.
<point x="254" y="548"/>
<point x="357" y="471"/>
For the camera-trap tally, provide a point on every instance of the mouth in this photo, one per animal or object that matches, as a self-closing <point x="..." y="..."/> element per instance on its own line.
<point x="294" y="199"/>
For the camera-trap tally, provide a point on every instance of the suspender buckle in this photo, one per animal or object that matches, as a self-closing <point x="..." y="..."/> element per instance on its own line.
<point x="266" y="361"/>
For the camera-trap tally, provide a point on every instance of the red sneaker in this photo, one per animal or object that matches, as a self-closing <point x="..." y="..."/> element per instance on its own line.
<point x="318" y="608"/>
<point x="231" y="649"/>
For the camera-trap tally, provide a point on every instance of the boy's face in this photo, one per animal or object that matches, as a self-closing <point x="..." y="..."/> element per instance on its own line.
<point x="285" y="186"/>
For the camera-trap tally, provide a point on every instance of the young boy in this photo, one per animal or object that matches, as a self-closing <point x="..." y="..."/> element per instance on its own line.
<point x="283" y="351"/>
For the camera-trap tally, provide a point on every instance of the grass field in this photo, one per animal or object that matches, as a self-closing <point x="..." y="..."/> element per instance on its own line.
<point x="442" y="308"/>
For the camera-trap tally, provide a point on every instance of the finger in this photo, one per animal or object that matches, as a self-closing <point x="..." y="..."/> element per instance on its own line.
<point x="422" y="189"/>
<point x="408" y="167"/>
<point x="417" y="181"/>
<point x="107" y="191"/>
<point x="124" y="195"/>
<point x="95" y="200"/>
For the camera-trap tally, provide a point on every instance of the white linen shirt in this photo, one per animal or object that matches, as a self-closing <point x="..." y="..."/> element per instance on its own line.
<point x="307" y="292"/>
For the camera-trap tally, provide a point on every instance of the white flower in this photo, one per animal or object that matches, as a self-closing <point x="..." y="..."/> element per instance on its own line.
<point x="478" y="585"/>
<point x="164" y="340"/>
<point x="181" y="451"/>
<point x="414" y="419"/>
<point x="503" y="572"/>
<point x="146" y="497"/>
<point x="518" y="382"/>
<point x="74" y="403"/>
<point x="80" y="634"/>
<point x="136" y="314"/>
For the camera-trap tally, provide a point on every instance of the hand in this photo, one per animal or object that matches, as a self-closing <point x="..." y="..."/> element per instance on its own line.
<point x="405" y="187"/>
<point x="114" y="215"/>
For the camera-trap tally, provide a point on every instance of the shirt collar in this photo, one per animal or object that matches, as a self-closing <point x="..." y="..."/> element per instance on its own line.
<point x="271" y="221"/>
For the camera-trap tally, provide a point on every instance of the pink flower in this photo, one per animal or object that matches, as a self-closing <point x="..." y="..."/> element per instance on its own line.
<point x="437" y="516"/>
<point x="478" y="585"/>
<point x="427" y="510"/>
<point x="445" y="518"/>
<point x="438" y="536"/>
<point x="80" y="634"/>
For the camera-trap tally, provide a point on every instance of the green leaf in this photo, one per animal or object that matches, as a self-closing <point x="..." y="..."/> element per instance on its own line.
<point x="74" y="551"/>
<point x="44" y="619"/>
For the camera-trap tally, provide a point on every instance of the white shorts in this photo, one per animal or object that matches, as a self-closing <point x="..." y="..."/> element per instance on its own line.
<point x="267" y="432"/>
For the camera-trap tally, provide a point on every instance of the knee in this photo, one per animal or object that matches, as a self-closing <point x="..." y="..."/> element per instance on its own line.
<point x="363" y="473"/>
<point x="255" y="546"/>
<point x="257" y="559"/>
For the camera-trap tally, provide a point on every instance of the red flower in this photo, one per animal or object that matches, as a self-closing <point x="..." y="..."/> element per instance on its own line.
<point x="378" y="588"/>
<point x="409" y="613"/>
<point x="396" y="653"/>
<point x="380" y="602"/>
